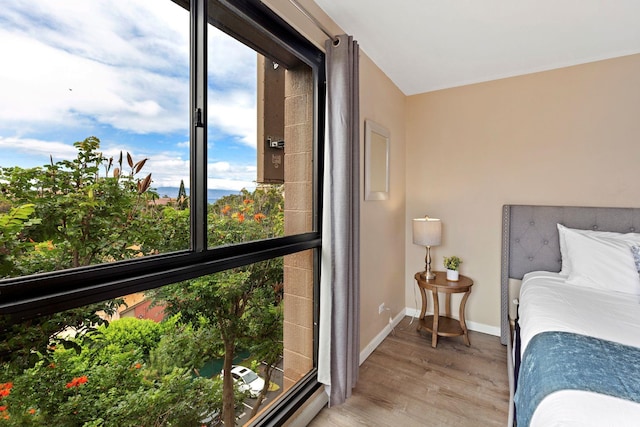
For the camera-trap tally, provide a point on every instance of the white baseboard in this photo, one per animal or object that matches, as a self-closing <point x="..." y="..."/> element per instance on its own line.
<point x="375" y="342"/>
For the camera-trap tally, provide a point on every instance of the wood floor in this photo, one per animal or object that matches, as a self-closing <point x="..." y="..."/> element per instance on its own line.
<point x="406" y="382"/>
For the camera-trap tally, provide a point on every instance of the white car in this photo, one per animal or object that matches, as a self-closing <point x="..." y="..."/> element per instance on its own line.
<point x="247" y="380"/>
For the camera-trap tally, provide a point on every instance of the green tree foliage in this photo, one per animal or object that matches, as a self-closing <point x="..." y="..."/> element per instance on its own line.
<point x="183" y="199"/>
<point x="127" y="335"/>
<point x="236" y="302"/>
<point x="247" y="216"/>
<point x="265" y="335"/>
<point x="76" y="369"/>
<point x="185" y="345"/>
<point x="111" y="382"/>
<point x="65" y="215"/>
<point x="175" y="225"/>
<point x="12" y="242"/>
<point x="24" y="343"/>
<point x="84" y="217"/>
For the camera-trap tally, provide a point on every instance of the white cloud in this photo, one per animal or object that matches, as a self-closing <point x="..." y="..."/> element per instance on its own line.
<point x="35" y="147"/>
<point x="148" y="33"/>
<point x="218" y="167"/>
<point x="55" y="88"/>
<point x="232" y="89"/>
<point x="76" y="67"/>
<point x="94" y="62"/>
<point x="234" y="112"/>
<point x="229" y="184"/>
<point x="168" y="170"/>
<point x="230" y="176"/>
<point x="230" y="60"/>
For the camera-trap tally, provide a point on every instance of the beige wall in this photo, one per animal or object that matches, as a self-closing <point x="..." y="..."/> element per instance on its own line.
<point x="569" y="136"/>
<point x="382" y="222"/>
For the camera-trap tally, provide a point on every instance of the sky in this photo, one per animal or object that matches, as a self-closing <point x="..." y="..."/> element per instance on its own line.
<point x="119" y="70"/>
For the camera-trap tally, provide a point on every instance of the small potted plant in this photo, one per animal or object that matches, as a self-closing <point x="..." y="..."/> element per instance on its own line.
<point x="452" y="263"/>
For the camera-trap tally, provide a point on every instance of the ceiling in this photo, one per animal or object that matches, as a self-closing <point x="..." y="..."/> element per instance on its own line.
<point x="426" y="45"/>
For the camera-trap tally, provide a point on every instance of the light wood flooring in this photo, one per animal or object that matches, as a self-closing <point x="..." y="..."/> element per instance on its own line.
<point x="405" y="382"/>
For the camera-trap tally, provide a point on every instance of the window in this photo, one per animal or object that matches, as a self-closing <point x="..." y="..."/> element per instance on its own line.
<point x="137" y="93"/>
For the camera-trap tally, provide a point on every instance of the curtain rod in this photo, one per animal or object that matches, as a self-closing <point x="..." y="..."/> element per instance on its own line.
<point x="314" y="20"/>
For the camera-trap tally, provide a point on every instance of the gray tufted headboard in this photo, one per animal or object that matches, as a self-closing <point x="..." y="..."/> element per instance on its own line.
<point x="530" y="240"/>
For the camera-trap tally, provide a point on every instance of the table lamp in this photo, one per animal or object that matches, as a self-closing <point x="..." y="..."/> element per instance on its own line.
<point x="427" y="232"/>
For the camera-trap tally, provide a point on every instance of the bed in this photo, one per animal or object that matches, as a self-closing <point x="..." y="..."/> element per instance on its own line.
<point x="575" y="349"/>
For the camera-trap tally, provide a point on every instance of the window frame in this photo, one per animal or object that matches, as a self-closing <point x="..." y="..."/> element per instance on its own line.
<point x="256" y="25"/>
<point x="51" y="292"/>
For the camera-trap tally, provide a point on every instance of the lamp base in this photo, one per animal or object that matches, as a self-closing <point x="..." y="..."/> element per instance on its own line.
<point x="428" y="275"/>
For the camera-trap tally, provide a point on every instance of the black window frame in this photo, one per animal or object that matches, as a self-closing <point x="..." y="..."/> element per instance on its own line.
<point x="252" y="23"/>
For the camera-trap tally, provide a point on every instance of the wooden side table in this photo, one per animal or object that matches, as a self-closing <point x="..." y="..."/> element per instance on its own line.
<point x="444" y="326"/>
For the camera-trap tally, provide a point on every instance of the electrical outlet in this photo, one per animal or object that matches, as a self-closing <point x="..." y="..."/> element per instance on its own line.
<point x="381" y="308"/>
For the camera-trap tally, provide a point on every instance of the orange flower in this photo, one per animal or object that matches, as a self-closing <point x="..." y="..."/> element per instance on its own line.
<point x="240" y="217"/>
<point x="137" y="366"/>
<point x="3" y="408"/>
<point x="76" y="382"/>
<point x="5" y="389"/>
<point x="226" y="209"/>
<point x="31" y="411"/>
<point x="259" y="216"/>
<point x="247" y="201"/>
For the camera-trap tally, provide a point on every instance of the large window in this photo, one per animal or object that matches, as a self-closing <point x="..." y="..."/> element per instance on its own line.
<point x="159" y="212"/>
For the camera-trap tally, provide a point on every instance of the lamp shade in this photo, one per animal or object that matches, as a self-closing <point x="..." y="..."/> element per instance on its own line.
<point x="427" y="231"/>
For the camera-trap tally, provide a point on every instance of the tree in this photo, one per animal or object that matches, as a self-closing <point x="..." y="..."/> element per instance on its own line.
<point x="266" y="340"/>
<point x="63" y="215"/>
<point x="241" y="304"/>
<point x="84" y="218"/>
<point x="12" y="242"/>
<point x="81" y="218"/>
<point x="111" y="382"/>
<point x="183" y="200"/>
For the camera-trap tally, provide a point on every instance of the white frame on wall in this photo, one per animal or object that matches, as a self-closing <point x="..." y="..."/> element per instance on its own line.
<point x="376" y="168"/>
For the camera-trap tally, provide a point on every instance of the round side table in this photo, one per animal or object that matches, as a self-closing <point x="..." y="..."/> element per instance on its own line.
<point x="444" y="326"/>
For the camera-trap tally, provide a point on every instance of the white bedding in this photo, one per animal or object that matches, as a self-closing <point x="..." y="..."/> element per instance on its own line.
<point x="548" y="303"/>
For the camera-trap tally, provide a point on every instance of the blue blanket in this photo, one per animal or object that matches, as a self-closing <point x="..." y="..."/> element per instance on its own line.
<point x="560" y="360"/>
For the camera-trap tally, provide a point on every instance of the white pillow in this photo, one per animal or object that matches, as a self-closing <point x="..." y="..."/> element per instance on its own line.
<point x="566" y="263"/>
<point x="602" y="262"/>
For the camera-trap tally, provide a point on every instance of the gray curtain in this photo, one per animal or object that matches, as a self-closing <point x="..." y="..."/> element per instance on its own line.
<point x="339" y="345"/>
